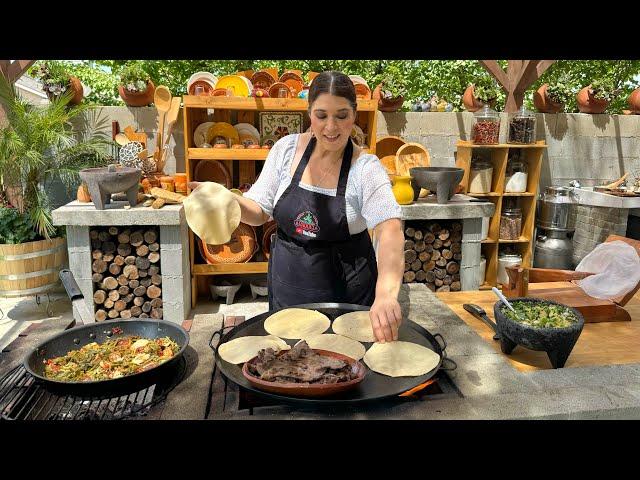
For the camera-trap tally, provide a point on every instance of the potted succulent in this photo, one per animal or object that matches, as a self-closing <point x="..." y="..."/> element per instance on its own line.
<point x="483" y="92"/>
<point x="136" y="87"/>
<point x="596" y="97"/>
<point x="553" y="96"/>
<point x="37" y="145"/>
<point x="390" y="91"/>
<point x="56" y="81"/>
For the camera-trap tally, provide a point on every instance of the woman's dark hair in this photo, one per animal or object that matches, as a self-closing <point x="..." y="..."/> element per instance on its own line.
<point x="333" y="83"/>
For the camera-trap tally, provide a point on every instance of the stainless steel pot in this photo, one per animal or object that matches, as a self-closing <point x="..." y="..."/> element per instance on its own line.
<point x="554" y="249"/>
<point x="556" y="209"/>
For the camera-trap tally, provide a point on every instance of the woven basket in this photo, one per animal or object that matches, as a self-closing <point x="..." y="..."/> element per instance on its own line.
<point x="411" y="155"/>
<point x="239" y="249"/>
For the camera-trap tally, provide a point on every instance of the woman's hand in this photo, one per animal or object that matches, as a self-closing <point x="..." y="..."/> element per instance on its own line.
<point x="386" y="318"/>
<point x="193" y="185"/>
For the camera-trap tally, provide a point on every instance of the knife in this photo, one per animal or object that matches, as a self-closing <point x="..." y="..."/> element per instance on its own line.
<point x="479" y="313"/>
<point x="77" y="299"/>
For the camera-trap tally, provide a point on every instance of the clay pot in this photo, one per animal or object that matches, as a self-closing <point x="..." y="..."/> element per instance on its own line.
<point x="588" y="104"/>
<point x="76" y="87"/>
<point x="634" y="101"/>
<point x="543" y="103"/>
<point x="387" y="105"/>
<point x="138" y="99"/>
<point x="471" y="103"/>
<point x="83" y="193"/>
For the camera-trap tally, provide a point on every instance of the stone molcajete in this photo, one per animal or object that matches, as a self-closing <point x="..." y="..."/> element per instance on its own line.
<point x="104" y="181"/>
<point x="442" y="180"/>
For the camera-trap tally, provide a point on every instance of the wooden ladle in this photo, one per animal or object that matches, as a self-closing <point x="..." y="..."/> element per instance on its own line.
<point x="162" y="99"/>
<point x="172" y="116"/>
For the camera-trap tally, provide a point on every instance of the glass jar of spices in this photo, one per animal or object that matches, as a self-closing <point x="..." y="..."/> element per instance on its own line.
<point x="522" y="127"/>
<point x="510" y="223"/>
<point x="486" y="126"/>
<point x="516" y="176"/>
<point x="480" y="176"/>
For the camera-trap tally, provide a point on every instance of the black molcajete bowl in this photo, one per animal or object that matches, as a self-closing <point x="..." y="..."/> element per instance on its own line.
<point x="442" y="180"/>
<point x="557" y="342"/>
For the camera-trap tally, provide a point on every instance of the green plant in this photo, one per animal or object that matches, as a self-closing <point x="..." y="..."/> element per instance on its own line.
<point x="40" y="144"/>
<point x="53" y="75"/>
<point x="486" y="89"/>
<point x="561" y="90"/>
<point x="392" y="83"/>
<point x="15" y="227"/>
<point x="604" y="89"/>
<point x="133" y="78"/>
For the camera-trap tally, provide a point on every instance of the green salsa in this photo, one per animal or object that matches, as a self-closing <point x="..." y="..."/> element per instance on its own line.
<point x="540" y="315"/>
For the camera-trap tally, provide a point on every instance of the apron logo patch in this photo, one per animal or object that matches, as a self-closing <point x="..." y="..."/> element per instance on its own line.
<point x="306" y="223"/>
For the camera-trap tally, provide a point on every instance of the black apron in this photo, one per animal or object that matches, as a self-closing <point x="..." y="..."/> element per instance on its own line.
<point x="314" y="258"/>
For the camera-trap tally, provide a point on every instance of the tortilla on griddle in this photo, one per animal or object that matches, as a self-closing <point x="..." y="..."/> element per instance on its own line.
<point x="356" y="325"/>
<point x="243" y="349"/>
<point x="296" y="323"/>
<point x="401" y="359"/>
<point x="337" y="343"/>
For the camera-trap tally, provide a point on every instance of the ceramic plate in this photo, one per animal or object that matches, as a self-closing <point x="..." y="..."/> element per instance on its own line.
<point x="223" y="129"/>
<point x="212" y="171"/>
<point x="276" y="88"/>
<point x="279" y="124"/>
<point x="206" y="76"/>
<point x="200" y="133"/>
<point x="241" y="86"/>
<point x="262" y="80"/>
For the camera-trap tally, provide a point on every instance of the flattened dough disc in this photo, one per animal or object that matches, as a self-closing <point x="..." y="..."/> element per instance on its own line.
<point x="243" y="349"/>
<point x="401" y="359"/>
<point x="296" y="323"/>
<point x="212" y="212"/>
<point x="337" y="343"/>
<point x="356" y="325"/>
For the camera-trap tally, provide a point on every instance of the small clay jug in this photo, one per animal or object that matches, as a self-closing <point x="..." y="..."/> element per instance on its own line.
<point x="402" y="189"/>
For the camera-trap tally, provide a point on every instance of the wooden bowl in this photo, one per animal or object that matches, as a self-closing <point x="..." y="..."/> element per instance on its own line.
<point x="388" y="145"/>
<point x="308" y="389"/>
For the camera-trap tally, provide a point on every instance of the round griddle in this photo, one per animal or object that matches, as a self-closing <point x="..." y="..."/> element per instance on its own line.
<point x="374" y="386"/>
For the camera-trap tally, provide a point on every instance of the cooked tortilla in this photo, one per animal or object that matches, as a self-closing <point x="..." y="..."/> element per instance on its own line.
<point x="356" y="325"/>
<point x="401" y="359"/>
<point x="296" y="323"/>
<point x="212" y="212"/>
<point x="337" y="343"/>
<point x="243" y="349"/>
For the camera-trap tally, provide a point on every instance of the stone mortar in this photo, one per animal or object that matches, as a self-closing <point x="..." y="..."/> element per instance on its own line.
<point x="104" y="181"/>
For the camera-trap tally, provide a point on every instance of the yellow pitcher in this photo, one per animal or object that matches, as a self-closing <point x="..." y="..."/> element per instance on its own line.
<point x="402" y="189"/>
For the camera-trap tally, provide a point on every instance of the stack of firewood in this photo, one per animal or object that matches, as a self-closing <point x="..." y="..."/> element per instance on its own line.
<point x="126" y="273"/>
<point x="432" y="254"/>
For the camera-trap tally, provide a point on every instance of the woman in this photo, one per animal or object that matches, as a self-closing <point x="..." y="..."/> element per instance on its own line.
<point x="325" y="192"/>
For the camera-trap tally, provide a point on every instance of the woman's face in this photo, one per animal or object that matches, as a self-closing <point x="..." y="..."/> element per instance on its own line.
<point x="332" y="119"/>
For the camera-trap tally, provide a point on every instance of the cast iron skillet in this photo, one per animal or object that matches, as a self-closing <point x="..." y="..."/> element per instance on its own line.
<point x="374" y="386"/>
<point x="99" y="332"/>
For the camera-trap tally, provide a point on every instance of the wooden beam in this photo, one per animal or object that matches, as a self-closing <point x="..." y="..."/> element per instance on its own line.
<point x="4" y="67"/>
<point x="528" y="75"/>
<point x="18" y="68"/>
<point x="496" y="72"/>
<point x="543" y="65"/>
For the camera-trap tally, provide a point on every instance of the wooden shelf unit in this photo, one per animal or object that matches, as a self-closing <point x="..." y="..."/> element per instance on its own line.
<point x="498" y="155"/>
<point x="243" y="164"/>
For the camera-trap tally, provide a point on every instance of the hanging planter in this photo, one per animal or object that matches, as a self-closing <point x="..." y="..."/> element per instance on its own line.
<point x="387" y="104"/>
<point x="75" y="85"/>
<point x="473" y="104"/>
<point x="634" y="101"/>
<point x="588" y="103"/>
<point x="138" y="98"/>
<point x="543" y="102"/>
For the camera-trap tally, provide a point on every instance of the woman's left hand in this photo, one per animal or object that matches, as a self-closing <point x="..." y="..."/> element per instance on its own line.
<point x="385" y="318"/>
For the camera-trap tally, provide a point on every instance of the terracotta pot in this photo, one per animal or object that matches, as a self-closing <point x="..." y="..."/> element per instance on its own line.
<point x="76" y="87"/>
<point x="588" y="104"/>
<point x="387" y="105"/>
<point x="634" y="101"/>
<point x="543" y="103"/>
<point x="83" y="194"/>
<point x="471" y="103"/>
<point x="138" y="99"/>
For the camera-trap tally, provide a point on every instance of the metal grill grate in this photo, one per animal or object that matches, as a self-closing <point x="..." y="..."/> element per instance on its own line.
<point x="23" y="398"/>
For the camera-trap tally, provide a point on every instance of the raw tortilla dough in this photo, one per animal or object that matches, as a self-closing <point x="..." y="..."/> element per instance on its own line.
<point x="401" y="359"/>
<point x="337" y="343"/>
<point x="356" y="325"/>
<point x="243" y="349"/>
<point x="212" y="212"/>
<point x="296" y="323"/>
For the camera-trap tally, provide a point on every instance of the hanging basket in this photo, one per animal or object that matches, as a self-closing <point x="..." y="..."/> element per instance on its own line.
<point x="138" y="99"/>
<point x="239" y="249"/>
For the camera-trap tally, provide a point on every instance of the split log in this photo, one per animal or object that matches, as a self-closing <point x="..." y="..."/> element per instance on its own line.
<point x="136" y="311"/>
<point x="96" y="254"/>
<point x="99" y="266"/>
<point x="104" y="236"/>
<point x="150" y="236"/>
<point x="409" y="232"/>
<point x="441" y="262"/>
<point x="416" y="265"/>
<point x="133" y="284"/>
<point x="438" y="283"/>
<point x="410" y="256"/>
<point x="97" y="277"/>
<point x="146" y="307"/>
<point x="456" y="286"/>
<point x="124" y="249"/>
<point x="119" y="260"/>
<point x="443" y="234"/>
<point x="139" y="291"/>
<point x="136" y="238"/>
<point x="418" y="235"/>
<point x="99" y="296"/>
<point x="424" y="256"/>
<point x="437" y="244"/>
<point x="156" y="313"/>
<point x="408" y="245"/>
<point x="444" y="288"/>
<point x="108" y="303"/>
<point x="446" y="254"/>
<point x="123" y="290"/>
<point x="154" y="247"/>
<point x="142" y="250"/>
<point x="109" y="283"/>
<point x="114" y="269"/>
<point x="153" y="269"/>
<point x="452" y="267"/>
<point x="409" y="276"/>
<point x="125" y="314"/>
<point x="154" y="291"/>
<point x="114" y="295"/>
<point x="435" y="255"/>
<point x="156" y="303"/>
<point x="421" y="275"/>
<point x="100" y="315"/>
<point x="156" y="279"/>
<point x="107" y="257"/>
<point x="142" y="263"/>
<point x="131" y="272"/>
<point x="130" y="260"/>
<point x="420" y="246"/>
<point x="138" y="301"/>
<point x="113" y="313"/>
<point x="435" y="228"/>
<point x="447" y="280"/>
<point x="143" y="273"/>
<point x="154" y="257"/>
<point x="113" y="230"/>
<point x="429" y="238"/>
<point x="123" y="237"/>
<point x="145" y="282"/>
<point x="143" y="315"/>
<point x="108" y="247"/>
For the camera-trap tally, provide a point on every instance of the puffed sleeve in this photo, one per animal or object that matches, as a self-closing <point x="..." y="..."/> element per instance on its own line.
<point x="377" y="201"/>
<point x="263" y="192"/>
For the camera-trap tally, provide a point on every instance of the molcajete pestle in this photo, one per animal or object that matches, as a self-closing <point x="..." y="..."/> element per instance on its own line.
<point x="104" y="181"/>
<point x="442" y="180"/>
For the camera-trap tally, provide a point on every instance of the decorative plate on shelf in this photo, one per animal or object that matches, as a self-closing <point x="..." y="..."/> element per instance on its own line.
<point x="204" y="76"/>
<point x="262" y="80"/>
<point x="241" y="86"/>
<point x="247" y="128"/>
<point x="280" y="90"/>
<point x="200" y="134"/>
<point x="212" y="171"/>
<point x="293" y="81"/>
<point x="222" y="130"/>
<point x="279" y="124"/>
<point x="207" y="88"/>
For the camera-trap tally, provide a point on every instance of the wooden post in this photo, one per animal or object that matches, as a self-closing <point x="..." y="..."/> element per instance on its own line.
<point x="520" y="75"/>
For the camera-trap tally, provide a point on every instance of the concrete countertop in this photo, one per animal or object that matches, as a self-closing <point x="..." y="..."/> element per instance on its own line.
<point x="459" y="207"/>
<point x="85" y="214"/>
<point x="586" y="196"/>
<point x="489" y="387"/>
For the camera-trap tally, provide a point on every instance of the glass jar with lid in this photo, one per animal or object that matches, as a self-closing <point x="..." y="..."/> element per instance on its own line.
<point x="510" y="223"/>
<point x="522" y="127"/>
<point x="486" y="126"/>
<point x="505" y="259"/>
<point x="516" y="176"/>
<point x="480" y="176"/>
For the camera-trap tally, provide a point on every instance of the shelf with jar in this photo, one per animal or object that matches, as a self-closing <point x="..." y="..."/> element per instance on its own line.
<point x="227" y="140"/>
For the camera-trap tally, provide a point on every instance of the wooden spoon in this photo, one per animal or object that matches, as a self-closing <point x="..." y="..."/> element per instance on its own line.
<point x="162" y="100"/>
<point x="172" y="116"/>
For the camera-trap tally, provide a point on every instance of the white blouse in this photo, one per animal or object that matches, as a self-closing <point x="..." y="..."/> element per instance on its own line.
<point x="369" y="199"/>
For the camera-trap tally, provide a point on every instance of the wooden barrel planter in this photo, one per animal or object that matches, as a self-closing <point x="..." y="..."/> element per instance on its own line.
<point x="31" y="268"/>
